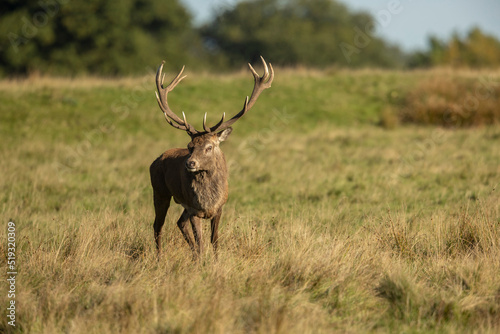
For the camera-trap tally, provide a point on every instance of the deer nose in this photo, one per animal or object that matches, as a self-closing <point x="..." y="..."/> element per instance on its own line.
<point x="191" y="165"/>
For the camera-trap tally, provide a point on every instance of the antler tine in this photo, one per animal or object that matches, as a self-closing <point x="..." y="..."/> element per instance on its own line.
<point x="271" y="76"/>
<point x="161" y="97"/>
<point x="266" y="70"/>
<point x="224" y="125"/>
<point x="174" y="82"/>
<point x="205" y="123"/>
<point x="177" y="79"/>
<point x="261" y="83"/>
<point x="266" y="75"/>
<point x="216" y="126"/>
<point x="255" y="74"/>
<point x="184" y="118"/>
<point x="175" y="125"/>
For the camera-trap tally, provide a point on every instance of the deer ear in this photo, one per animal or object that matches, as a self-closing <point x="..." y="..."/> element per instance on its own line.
<point x="224" y="134"/>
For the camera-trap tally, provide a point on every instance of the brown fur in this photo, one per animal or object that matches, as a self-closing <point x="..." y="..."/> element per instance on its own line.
<point x="202" y="193"/>
<point x="196" y="177"/>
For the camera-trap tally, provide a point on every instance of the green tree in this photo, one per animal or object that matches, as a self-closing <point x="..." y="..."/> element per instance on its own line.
<point x="298" y="32"/>
<point x="475" y="50"/>
<point x="481" y="50"/>
<point x="94" y="36"/>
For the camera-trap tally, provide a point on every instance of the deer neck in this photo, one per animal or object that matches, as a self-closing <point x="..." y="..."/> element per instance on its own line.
<point x="205" y="181"/>
<point x="205" y="177"/>
<point x="209" y="190"/>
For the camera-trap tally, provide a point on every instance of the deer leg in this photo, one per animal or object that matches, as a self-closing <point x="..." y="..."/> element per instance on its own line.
<point x="197" y="232"/>
<point x="214" y="225"/>
<point x="182" y="224"/>
<point x="161" y="207"/>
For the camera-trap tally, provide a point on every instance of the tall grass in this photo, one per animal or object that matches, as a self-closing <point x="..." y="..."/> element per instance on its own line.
<point x="333" y="224"/>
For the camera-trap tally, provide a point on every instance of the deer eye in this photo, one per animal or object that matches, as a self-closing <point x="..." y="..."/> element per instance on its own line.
<point x="209" y="149"/>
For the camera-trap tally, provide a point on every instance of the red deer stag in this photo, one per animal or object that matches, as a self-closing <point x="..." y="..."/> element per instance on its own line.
<point x="196" y="176"/>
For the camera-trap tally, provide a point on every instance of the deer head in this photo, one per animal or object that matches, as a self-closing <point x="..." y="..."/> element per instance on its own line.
<point x="204" y="151"/>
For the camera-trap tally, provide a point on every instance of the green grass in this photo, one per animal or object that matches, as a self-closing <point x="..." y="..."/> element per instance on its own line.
<point x="334" y="223"/>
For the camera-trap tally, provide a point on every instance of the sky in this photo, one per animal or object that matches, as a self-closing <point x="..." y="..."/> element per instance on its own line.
<point x="407" y="23"/>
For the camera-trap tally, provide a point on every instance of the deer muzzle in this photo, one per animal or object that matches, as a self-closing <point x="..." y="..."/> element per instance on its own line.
<point x="191" y="165"/>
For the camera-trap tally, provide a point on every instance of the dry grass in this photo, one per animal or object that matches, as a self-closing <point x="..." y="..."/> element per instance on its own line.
<point x="453" y="101"/>
<point x="327" y="229"/>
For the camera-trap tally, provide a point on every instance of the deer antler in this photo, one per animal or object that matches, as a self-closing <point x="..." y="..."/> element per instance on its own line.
<point x="261" y="83"/>
<point x="161" y="97"/>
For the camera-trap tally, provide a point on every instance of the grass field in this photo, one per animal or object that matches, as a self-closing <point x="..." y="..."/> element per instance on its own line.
<point x="340" y="219"/>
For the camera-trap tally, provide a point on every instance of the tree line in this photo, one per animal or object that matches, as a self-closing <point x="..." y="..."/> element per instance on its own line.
<point x="105" y="37"/>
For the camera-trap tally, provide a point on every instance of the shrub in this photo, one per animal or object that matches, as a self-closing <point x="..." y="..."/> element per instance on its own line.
<point x="452" y="102"/>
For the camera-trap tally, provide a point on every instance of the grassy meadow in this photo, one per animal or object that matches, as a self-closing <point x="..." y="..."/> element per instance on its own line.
<point x="343" y="216"/>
